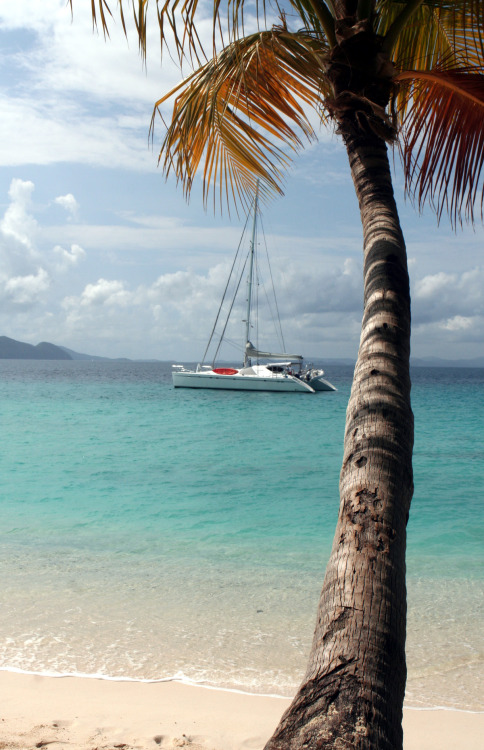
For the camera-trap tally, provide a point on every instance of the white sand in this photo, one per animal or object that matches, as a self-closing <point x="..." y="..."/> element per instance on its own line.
<point x="88" y="714"/>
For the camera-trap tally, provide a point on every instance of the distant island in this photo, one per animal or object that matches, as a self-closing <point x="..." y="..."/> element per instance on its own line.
<point x="11" y="349"/>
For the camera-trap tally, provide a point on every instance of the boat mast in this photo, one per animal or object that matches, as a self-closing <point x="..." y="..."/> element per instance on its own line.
<point x="251" y="274"/>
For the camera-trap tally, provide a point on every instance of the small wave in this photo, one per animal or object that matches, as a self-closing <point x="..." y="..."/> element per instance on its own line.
<point x="178" y="677"/>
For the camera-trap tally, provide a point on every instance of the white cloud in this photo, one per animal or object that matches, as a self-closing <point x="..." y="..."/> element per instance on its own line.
<point x="104" y="292"/>
<point x="69" y="258"/>
<point x="26" y="271"/>
<point x="18" y="232"/>
<point x="448" y="314"/>
<point x="30" y="14"/>
<point x="50" y="132"/>
<point x="90" y="100"/>
<point x="176" y="312"/>
<point x="25" y="290"/>
<point x="435" y="284"/>
<point x="80" y="98"/>
<point x="458" y="323"/>
<point x="69" y="203"/>
<point x="444" y="296"/>
<point x="17" y="223"/>
<point x="150" y="286"/>
<point x="69" y="56"/>
<point x="454" y="338"/>
<point x="335" y="288"/>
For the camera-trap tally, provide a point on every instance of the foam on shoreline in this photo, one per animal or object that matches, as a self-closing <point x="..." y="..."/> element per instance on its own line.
<point x="184" y="680"/>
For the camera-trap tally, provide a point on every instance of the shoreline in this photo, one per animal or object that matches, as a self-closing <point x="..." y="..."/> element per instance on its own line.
<point x="183" y="680"/>
<point x="82" y="713"/>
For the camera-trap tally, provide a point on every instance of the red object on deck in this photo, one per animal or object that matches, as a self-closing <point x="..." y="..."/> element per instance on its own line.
<point x="225" y="371"/>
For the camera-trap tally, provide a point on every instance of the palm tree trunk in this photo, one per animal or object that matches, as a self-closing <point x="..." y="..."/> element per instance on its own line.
<point x="352" y="693"/>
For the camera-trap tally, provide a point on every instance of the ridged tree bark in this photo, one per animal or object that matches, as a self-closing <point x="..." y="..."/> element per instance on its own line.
<point x="352" y="693"/>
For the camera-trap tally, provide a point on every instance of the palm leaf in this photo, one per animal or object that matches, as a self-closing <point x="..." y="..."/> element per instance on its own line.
<point x="443" y="139"/>
<point x="439" y="33"/>
<point x="435" y="29"/>
<point x="103" y="10"/>
<point x="421" y="42"/>
<point x="178" y="16"/>
<point x="238" y="111"/>
<point x="317" y="18"/>
<point x="464" y="23"/>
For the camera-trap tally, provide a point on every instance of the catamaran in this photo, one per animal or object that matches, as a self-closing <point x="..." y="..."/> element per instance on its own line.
<point x="287" y="373"/>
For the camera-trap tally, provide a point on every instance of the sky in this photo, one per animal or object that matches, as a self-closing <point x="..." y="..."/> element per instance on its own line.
<point x="100" y="253"/>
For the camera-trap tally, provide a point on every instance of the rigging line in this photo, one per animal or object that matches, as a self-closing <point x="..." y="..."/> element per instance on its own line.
<point x="230" y="311"/>
<point x="239" y="282"/>
<point x="259" y="279"/>
<point x="257" y="284"/>
<point x="255" y="287"/>
<point x="225" y="292"/>
<point x="270" y="301"/>
<point x="273" y="318"/>
<point x="274" y="291"/>
<point x="233" y="344"/>
<point x="239" y="349"/>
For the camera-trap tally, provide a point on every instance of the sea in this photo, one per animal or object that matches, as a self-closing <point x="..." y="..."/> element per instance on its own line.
<point x="148" y="533"/>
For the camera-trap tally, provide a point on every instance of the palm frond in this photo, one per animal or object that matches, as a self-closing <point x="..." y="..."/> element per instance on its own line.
<point x="181" y="18"/>
<point x="103" y="10"/>
<point x="236" y="113"/>
<point x="436" y="29"/>
<point x="177" y="15"/>
<point x="439" y="33"/>
<point x="316" y="17"/>
<point x="177" y="21"/>
<point x="443" y="139"/>
<point x="463" y="21"/>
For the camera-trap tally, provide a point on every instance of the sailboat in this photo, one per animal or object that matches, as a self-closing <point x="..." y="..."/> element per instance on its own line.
<point x="288" y="373"/>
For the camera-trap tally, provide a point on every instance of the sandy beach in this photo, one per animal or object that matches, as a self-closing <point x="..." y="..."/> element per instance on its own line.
<point x="93" y="714"/>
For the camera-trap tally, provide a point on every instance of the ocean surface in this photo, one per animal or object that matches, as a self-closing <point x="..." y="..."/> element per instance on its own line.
<point x="150" y="533"/>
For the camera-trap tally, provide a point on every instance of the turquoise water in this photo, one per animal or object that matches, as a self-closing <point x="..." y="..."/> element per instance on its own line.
<point x="148" y="532"/>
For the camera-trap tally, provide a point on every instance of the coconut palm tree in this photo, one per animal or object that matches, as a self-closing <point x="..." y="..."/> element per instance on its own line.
<point x="407" y="72"/>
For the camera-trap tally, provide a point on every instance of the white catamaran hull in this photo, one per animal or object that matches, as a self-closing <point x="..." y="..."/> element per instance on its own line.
<point x="240" y="382"/>
<point x="320" y="384"/>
